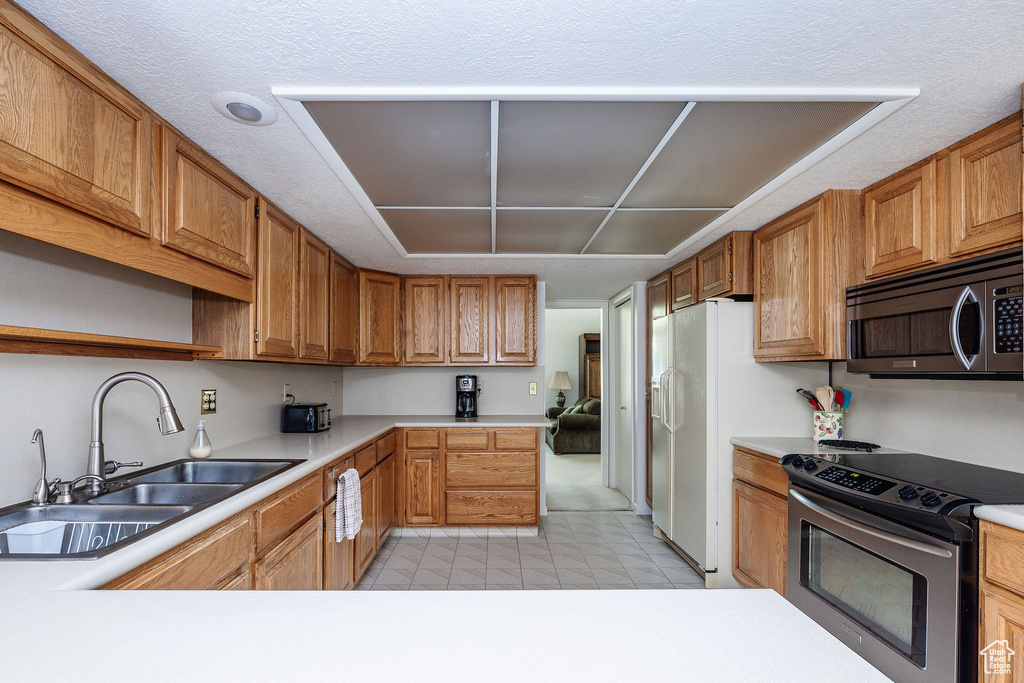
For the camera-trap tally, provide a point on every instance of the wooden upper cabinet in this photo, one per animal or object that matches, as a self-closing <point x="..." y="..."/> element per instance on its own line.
<point x="314" y="297"/>
<point x="659" y="296"/>
<point x="380" y="322"/>
<point x="515" y="320"/>
<point x="277" y="298"/>
<point x="724" y="268"/>
<point x="208" y="212"/>
<point x="684" y="284"/>
<point x="803" y="262"/>
<point x="470" y="314"/>
<point x="69" y="132"/>
<point x="900" y="219"/>
<point x="426" y="319"/>
<point x="985" y="190"/>
<point x="344" y="310"/>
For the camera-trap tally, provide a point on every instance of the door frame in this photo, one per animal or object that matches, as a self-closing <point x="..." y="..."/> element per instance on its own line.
<point x="637" y="292"/>
<point x="608" y="382"/>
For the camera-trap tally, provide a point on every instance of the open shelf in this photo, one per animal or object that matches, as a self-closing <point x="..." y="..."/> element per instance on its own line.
<point x="60" y="343"/>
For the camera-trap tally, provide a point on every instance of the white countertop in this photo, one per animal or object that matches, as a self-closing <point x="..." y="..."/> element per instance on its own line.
<point x="346" y="433"/>
<point x="779" y="446"/>
<point x="1007" y="515"/>
<point x="607" y="635"/>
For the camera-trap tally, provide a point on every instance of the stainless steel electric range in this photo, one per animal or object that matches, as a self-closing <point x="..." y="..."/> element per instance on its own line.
<point x="882" y="552"/>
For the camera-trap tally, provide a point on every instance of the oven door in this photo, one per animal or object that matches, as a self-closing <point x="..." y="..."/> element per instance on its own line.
<point x="888" y="592"/>
<point x="936" y="331"/>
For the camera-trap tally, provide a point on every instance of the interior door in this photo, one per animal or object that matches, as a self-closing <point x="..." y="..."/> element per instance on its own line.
<point x="623" y="456"/>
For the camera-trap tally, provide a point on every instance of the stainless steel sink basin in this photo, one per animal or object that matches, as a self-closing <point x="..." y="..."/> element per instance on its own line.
<point x="166" y="494"/>
<point x="50" y="532"/>
<point x="212" y="471"/>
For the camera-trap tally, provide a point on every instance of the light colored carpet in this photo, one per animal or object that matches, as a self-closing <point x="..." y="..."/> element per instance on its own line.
<point x="574" y="483"/>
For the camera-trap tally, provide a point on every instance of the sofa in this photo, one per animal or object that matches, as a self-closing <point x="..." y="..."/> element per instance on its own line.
<point x="576" y="429"/>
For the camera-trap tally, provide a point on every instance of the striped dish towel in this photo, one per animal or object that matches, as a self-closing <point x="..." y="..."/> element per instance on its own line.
<point x="348" y="513"/>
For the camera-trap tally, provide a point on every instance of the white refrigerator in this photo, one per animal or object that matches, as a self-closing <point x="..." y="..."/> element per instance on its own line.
<point x="706" y="388"/>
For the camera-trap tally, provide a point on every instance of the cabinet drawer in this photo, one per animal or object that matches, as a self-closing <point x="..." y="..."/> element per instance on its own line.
<point x="283" y="514"/>
<point x="423" y="438"/>
<point x="481" y="508"/>
<point x="466" y="440"/>
<point x="515" y="439"/>
<point x="366" y="459"/>
<point x="204" y="564"/>
<point x="760" y="470"/>
<point x="332" y="472"/>
<point x="1002" y="556"/>
<point x="385" y="446"/>
<point x="484" y="470"/>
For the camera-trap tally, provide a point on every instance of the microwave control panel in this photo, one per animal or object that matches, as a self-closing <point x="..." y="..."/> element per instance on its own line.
<point x="1007" y="320"/>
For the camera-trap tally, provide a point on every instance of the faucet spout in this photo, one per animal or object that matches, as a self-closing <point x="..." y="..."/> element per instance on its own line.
<point x="167" y="421"/>
<point x="42" y="492"/>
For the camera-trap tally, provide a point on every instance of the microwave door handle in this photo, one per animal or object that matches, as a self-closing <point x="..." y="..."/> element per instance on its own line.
<point x="954" y="327"/>
<point x="870" y="531"/>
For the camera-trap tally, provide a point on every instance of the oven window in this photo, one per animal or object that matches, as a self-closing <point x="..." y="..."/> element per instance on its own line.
<point x="885" y="598"/>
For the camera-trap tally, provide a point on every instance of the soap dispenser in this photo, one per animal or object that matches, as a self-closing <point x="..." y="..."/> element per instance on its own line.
<point x="201" y="447"/>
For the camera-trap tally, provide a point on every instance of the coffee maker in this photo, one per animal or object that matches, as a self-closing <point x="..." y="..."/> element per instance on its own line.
<point x="466" y="391"/>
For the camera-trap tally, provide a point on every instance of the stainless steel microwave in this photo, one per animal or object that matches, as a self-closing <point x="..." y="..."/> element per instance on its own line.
<point x="956" y="321"/>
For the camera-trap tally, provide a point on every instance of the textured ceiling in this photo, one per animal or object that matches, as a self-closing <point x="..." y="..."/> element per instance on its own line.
<point x="965" y="58"/>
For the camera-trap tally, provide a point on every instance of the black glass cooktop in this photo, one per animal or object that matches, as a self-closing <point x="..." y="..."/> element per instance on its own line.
<point x="985" y="484"/>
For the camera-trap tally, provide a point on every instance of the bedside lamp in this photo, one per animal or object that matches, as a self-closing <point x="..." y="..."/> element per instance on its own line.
<point x="560" y="381"/>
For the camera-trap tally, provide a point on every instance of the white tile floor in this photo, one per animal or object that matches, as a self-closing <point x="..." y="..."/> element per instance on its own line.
<point x="574" y="550"/>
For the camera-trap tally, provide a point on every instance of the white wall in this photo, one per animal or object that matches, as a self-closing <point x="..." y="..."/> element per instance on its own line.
<point x="563" y="327"/>
<point x="971" y="421"/>
<point x="48" y="287"/>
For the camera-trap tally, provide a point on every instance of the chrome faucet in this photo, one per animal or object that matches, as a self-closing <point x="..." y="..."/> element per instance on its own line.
<point x="167" y="421"/>
<point x="42" y="492"/>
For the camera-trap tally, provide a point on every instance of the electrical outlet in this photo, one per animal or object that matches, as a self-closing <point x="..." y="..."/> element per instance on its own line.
<point x="533" y="388"/>
<point x="285" y="393"/>
<point x="209" y="401"/>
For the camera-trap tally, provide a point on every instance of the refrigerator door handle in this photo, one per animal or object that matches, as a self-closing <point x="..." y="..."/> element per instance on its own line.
<point x="668" y="414"/>
<point x="661" y="398"/>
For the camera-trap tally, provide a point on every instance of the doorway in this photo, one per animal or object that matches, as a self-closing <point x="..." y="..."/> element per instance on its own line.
<point x="578" y="470"/>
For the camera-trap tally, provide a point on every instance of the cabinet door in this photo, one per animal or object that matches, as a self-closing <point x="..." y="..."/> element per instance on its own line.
<point x="1002" y="619"/>
<point x="344" y="310"/>
<point x="338" y="556"/>
<point x="366" y="539"/>
<point x="900" y="216"/>
<point x="297" y="563"/>
<point x="385" y="499"/>
<point x="379" y="318"/>
<point x="277" y="294"/>
<point x="759" y="538"/>
<point x="985" y="191"/>
<point x="426" y="320"/>
<point x="423" y="488"/>
<point x="592" y="375"/>
<point x="208" y="212"/>
<point x="788" y="300"/>
<point x="659" y="296"/>
<point x="714" y="270"/>
<point x="314" y="299"/>
<point x="470" y="316"/>
<point x="69" y="133"/>
<point x="684" y="284"/>
<point x="515" y="320"/>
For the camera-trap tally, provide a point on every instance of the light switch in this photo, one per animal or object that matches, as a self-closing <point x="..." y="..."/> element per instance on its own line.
<point x="209" y="401"/>
<point x="533" y="388"/>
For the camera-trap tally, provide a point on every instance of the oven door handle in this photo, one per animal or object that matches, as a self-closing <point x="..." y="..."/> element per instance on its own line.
<point x="863" y="528"/>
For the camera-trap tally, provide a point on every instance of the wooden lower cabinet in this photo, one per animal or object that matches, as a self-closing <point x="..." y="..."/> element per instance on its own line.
<point x="1002" y="618"/>
<point x="423" y="488"/>
<point x="296" y="563"/>
<point x="1001" y="599"/>
<point x="338" y="555"/>
<point x="483" y="508"/>
<point x="759" y="537"/>
<point x="385" y="499"/>
<point x="240" y="582"/>
<point x="366" y="539"/>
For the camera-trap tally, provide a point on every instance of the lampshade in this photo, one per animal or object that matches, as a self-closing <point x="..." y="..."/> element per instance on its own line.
<point x="560" y="380"/>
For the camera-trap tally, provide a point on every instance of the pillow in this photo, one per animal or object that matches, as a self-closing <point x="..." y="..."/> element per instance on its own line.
<point x="592" y="407"/>
<point x="580" y="401"/>
<point x="575" y="409"/>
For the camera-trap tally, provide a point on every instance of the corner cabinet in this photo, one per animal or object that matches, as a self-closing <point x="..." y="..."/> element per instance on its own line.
<point x="380" y="323"/>
<point x="803" y="263"/>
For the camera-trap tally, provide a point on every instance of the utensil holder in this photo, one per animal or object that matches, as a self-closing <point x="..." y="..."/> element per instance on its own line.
<point x="827" y="425"/>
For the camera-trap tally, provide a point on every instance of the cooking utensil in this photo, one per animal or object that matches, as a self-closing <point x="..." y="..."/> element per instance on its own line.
<point x="826" y="397"/>
<point x="847" y="397"/>
<point x="840" y="396"/>
<point x="809" y="397"/>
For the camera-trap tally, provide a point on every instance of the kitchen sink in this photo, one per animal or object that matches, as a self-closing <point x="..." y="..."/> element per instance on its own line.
<point x="166" y="494"/>
<point x="211" y="471"/>
<point x="52" y="532"/>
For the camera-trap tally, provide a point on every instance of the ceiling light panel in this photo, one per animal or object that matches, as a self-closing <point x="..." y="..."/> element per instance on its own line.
<point x="724" y="151"/>
<point x="441" y="231"/>
<point x="531" y="231"/>
<point x="575" y="153"/>
<point x="648" y="232"/>
<point x="412" y="153"/>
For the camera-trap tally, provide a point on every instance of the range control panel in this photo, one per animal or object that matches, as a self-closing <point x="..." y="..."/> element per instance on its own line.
<point x="864" y="483"/>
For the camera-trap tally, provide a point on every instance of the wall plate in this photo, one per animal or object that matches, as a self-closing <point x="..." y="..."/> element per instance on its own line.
<point x="208" y="403"/>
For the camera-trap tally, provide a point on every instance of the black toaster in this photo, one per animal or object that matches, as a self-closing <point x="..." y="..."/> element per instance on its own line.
<point x="305" y="417"/>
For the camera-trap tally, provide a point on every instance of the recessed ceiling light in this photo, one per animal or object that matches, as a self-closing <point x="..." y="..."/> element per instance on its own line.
<point x="243" y="108"/>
